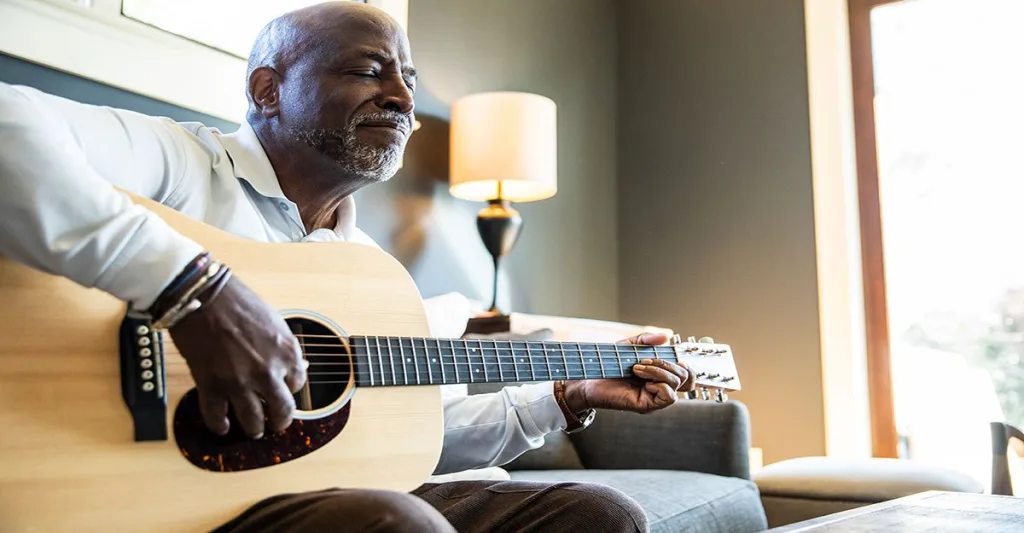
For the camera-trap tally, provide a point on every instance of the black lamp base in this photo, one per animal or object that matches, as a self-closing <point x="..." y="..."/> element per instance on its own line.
<point x="485" y="325"/>
<point x="499" y="226"/>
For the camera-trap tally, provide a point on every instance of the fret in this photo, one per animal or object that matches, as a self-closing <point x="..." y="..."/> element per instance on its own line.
<point x="610" y="366"/>
<point x="483" y="361"/>
<point x="455" y="362"/>
<point x="435" y="359"/>
<point x="529" y="357"/>
<point x="440" y="357"/>
<point x="497" y="356"/>
<point x="415" y="365"/>
<point x="565" y="363"/>
<point x="369" y="359"/>
<point x="362" y="364"/>
<point x="618" y="361"/>
<point x="547" y="362"/>
<point x="497" y="361"/>
<point x="515" y="366"/>
<point x="380" y="364"/>
<point x="405" y="372"/>
<point x="391" y="359"/>
<point x="574" y="363"/>
<point x="427" y="360"/>
<point x="600" y="361"/>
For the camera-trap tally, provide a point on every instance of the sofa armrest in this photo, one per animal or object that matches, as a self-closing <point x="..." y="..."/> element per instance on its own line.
<point x="692" y="435"/>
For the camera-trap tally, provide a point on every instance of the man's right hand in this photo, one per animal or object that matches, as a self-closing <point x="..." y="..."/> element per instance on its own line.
<point x="241" y="351"/>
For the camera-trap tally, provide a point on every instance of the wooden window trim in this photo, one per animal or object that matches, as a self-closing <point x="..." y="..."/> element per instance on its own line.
<point x="884" y="438"/>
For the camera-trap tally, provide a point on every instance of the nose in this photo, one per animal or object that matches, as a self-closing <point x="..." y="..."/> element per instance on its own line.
<point x="397" y="96"/>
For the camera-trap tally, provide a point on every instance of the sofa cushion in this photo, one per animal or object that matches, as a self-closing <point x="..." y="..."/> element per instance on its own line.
<point x="868" y="480"/>
<point x="680" y="502"/>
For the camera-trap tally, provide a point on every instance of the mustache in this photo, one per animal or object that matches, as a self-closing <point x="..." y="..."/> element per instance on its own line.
<point x="404" y="121"/>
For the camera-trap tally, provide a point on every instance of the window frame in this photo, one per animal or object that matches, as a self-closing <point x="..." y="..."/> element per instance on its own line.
<point x="884" y="437"/>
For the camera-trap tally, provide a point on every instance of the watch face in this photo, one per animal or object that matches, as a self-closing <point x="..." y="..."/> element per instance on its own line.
<point x="586" y="420"/>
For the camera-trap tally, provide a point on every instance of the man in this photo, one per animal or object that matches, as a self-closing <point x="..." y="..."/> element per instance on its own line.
<point x="331" y="107"/>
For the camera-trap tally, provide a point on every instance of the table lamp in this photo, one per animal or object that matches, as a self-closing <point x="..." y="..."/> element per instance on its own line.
<point x="502" y="150"/>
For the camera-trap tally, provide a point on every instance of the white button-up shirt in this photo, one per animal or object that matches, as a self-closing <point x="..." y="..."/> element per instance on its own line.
<point x="59" y="213"/>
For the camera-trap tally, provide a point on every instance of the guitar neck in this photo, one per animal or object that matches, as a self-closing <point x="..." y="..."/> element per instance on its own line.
<point x="390" y="361"/>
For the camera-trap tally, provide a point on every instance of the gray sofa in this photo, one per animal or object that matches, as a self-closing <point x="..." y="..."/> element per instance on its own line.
<point x="687" y="466"/>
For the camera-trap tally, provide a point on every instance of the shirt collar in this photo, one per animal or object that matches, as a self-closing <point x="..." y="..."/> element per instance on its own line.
<point x="250" y="163"/>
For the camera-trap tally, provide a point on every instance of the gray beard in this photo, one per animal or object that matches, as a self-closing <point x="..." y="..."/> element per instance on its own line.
<point x="367" y="162"/>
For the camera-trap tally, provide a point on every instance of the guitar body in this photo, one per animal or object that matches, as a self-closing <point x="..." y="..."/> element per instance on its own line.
<point x="70" y="461"/>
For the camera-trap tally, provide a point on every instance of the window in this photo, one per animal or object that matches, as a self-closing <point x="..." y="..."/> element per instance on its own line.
<point x="943" y="168"/>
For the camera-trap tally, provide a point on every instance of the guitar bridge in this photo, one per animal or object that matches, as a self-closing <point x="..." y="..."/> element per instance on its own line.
<point x="143" y="377"/>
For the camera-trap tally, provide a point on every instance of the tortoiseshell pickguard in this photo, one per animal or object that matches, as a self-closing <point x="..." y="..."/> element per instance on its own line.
<point x="236" y="451"/>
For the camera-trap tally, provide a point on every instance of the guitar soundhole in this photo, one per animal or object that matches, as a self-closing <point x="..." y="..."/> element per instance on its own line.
<point x="323" y="410"/>
<point x="329" y="364"/>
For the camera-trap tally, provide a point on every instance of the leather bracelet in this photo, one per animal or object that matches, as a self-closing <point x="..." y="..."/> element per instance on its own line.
<point x="190" y="301"/>
<point x="573" y="422"/>
<point x="173" y="292"/>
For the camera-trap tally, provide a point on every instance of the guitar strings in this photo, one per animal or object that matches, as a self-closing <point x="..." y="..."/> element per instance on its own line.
<point x="403" y="374"/>
<point x="552" y="358"/>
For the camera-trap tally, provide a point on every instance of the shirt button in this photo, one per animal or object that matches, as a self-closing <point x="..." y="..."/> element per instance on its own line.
<point x="284" y="206"/>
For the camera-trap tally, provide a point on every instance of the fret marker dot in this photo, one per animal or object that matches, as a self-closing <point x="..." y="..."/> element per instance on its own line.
<point x="433" y="360"/>
<point x="408" y="360"/>
<point x="472" y="349"/>
<point x="521" y="360"/>
<point x="478" y="371"/>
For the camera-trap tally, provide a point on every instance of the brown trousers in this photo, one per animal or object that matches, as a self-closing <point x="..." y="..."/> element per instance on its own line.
<point x="461" y="506"/>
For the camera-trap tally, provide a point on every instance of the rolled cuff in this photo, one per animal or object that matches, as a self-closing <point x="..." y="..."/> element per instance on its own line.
<point x="151" y="259"/>
<point x="539" y="410"/>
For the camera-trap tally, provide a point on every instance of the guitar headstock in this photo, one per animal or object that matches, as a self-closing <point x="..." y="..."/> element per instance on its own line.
<point x="712" y="363"/>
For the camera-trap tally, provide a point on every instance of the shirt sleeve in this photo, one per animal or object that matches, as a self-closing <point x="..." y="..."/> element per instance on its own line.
<point x="59" y="211"/>
<point x="485" y="430"/>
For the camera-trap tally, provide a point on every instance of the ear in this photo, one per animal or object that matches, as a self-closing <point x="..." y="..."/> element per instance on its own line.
<point x="264" y="89"/>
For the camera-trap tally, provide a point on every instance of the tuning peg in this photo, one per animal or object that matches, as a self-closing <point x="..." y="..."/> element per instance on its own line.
<point x="721" y="396"/>
<point x="692" y="394"/>
<point x="706" y="340"/>
<point x="676" y="339"/>
<point x="704" y="394"/>
<point x="691" y="338"/>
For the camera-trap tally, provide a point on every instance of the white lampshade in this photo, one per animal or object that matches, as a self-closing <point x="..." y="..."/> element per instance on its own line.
<point x="506" y="138"/>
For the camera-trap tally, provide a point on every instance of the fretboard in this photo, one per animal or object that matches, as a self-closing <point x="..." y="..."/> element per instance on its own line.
<point x="390" y="361"/>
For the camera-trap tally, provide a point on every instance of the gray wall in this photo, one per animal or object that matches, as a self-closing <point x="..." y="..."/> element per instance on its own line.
<point x="715" y="203"/>
<point x="565" y="261"/>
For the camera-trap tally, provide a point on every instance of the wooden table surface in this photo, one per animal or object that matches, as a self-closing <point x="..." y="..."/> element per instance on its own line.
<point x="927" y="512"/>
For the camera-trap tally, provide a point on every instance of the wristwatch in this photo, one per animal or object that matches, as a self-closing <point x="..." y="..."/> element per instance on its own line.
<point x="574" y="422"/>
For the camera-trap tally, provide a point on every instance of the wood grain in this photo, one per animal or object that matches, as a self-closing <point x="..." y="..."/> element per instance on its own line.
<point x="925" y="512"/>
<point x="69" y="461"/>
<point x="884" y="438"/>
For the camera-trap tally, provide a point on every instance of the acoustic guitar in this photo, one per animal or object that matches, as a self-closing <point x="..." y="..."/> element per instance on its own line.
<point x="100" y="426"/>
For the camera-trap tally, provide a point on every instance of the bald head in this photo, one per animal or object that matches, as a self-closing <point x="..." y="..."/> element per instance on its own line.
<point x="301" y="33"/>
<point x="336" y="77"/>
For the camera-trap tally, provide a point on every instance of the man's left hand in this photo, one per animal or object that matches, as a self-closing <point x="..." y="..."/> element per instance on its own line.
<point x="655" y="386"/>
